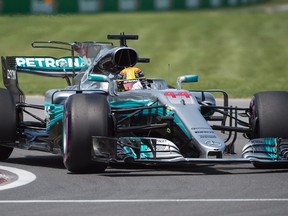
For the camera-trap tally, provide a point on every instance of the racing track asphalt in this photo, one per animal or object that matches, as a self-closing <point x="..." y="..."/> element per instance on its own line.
<point x="196" y="190"/>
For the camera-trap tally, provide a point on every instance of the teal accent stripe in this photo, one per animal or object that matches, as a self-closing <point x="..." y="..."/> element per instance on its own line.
<point x="55" y="113"/>
<point x="181" y="126"/>
<point x="129" y="103"/>
<point x="270" y="146"/>
<point x="158" y="111"/>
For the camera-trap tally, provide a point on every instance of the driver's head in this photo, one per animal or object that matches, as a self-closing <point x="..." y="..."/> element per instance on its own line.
<point x="130" y="78"/>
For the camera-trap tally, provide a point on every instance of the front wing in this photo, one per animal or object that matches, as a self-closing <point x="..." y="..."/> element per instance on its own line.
<point x="142" y="150"/>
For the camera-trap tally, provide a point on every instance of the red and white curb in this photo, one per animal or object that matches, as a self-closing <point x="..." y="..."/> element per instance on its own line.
<point x="16" y="178"/>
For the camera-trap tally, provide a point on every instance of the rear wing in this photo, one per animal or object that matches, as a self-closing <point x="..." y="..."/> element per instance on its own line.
<point x="44" y="65"/>
<point x="37" y="65"/>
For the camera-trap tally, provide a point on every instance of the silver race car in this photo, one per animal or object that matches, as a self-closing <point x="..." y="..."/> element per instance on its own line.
<point x="94" y="123"/>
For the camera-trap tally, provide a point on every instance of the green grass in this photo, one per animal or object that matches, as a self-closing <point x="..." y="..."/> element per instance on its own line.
<point x="237" y="50"/>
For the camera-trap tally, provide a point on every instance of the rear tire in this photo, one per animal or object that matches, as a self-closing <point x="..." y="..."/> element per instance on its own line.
<point x="269" y="114"/>
<point x="85" y="115"/>
<point x="8" y="123"/>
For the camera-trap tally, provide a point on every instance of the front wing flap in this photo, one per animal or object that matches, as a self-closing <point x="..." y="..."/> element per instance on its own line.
<point x="271" y="149"/>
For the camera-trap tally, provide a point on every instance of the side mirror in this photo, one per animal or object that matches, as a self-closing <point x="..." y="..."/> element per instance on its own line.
<point x="103" y="78"/>
<point x="98" y="78"/>
<point x="186" y="79"/>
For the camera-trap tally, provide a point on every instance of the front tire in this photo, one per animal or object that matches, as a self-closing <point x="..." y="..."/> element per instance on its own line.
<point x="8" y="123"/>
<point x="85" y="115"/>
<point x="269" y="114"/>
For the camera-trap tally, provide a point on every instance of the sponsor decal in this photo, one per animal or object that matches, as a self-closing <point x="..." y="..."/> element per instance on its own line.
<point x="89" y="6"/>
<point x="128" y="5"/>
<point x="49" y="63"/>
<point x="192" y="3"/>
<point x="207" y="136"/>
<point x="43" y="6"/>
<point x="215" y="3"/>
<point x="161" y="141"/>
<point x="162" y="4"/>
<point x="11" y="74"/>
<point x="164" y="145"/>
<point x="232" y="2"/>
<point x="213" y="143"/>
<point x="204" y="132"/>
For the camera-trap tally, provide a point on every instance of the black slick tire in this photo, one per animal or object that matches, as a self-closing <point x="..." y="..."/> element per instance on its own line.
<point x="8" y="123"/>
<point x="269" y="114"/>
<point x="85" y="115"/>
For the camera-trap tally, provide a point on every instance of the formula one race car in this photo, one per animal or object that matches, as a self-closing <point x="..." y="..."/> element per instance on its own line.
<point x="94" y="124"/>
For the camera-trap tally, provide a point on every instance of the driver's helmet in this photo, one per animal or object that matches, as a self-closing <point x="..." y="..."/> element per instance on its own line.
<point x="130" y="78"/>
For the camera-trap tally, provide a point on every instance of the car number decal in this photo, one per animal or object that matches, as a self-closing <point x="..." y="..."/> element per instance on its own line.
<point x="177" y="94"/>
<point x="179" y="97"/>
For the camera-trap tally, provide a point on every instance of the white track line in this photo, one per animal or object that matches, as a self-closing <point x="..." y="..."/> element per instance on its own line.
<point x="24" y="177"/>
<point x="145" y="200"/>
